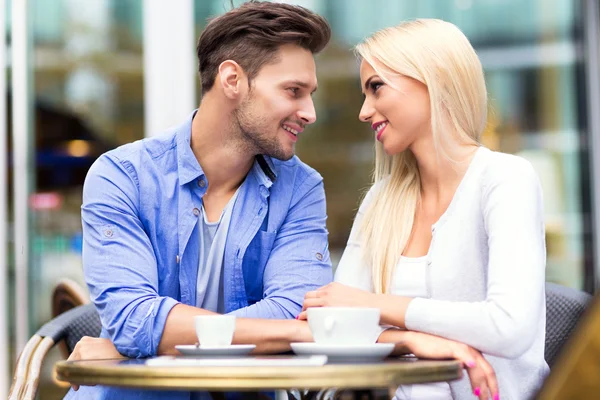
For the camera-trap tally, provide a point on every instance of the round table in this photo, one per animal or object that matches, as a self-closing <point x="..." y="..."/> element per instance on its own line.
<point x="135" y="373"/>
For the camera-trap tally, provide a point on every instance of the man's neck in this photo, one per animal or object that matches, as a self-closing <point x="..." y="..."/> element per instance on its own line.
<point x="224" y="160"/>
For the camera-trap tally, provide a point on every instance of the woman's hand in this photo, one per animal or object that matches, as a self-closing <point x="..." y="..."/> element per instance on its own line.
<point x="89" y="348"/>
<point x="481" y="373"/>
<point x="337" y="295"/>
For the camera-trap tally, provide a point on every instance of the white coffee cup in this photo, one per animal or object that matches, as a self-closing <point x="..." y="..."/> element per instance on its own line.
<point x="344" y="325"/>
<point x="215" y="330"/>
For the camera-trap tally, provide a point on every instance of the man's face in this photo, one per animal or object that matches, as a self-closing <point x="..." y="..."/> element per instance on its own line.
<point x="279" y="104"/>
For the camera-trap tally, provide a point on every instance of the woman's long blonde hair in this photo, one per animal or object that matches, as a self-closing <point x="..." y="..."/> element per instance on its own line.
<point x="437" y="54"/>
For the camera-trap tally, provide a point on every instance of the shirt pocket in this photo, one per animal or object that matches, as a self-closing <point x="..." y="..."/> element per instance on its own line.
<point x="255" y="260"/>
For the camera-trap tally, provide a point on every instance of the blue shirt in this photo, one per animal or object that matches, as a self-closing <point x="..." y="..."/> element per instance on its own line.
<point x="141" y="204"/>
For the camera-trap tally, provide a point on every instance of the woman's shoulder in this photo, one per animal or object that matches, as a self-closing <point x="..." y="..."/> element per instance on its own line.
<point x="508" y="175"/>
<point x="501" y="167"/>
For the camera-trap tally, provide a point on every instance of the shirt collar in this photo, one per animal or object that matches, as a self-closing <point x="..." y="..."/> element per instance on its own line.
<point x="189" y="168"/>
<point x="187" y="165"/>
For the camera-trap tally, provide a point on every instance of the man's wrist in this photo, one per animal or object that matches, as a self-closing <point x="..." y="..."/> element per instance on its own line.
<point x="300" y="332"/>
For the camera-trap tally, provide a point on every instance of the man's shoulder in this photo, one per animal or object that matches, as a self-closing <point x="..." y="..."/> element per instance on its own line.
<point x="142" y="158"/>
<point x="153" y="147"/>
<point x="295" y="171"/>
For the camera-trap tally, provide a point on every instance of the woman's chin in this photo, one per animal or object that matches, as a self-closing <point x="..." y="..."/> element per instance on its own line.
<point x="392" y="150"/>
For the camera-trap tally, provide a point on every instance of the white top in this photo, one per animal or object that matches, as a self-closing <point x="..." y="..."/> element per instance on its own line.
<point x="485" y="275"/>
<point x="409" y="279"/>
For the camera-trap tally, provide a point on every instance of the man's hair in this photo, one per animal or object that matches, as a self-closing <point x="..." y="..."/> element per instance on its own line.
<point x="252" y="34"/>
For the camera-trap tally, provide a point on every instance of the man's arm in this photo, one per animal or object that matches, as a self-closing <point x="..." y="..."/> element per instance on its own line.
<point x="270" y="336"/>
<point x="121" y="270"/>
<point x="118" y="259"/>
<point x="298" y="262"/>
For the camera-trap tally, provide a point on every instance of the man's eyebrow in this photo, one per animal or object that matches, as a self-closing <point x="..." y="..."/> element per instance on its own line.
<point x="302" y="84"/>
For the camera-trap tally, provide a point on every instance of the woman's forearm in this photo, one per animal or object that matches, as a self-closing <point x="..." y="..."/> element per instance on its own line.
<point x="392" y="308"/>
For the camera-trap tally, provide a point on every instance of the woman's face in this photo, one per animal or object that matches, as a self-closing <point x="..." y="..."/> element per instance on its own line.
<point x="400" y="115"/>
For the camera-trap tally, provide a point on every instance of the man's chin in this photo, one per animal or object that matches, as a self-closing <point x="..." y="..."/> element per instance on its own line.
<point x="282" y="157"/>
<point x="280" y="154"/>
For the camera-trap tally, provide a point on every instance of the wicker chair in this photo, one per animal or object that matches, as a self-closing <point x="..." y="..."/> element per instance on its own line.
<point x="67" y="295"/>
<point x="564" y="307"/>
<point x="73" y="318"/>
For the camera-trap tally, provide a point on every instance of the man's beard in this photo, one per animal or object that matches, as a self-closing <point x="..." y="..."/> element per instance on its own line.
<point x="254" y="137"/>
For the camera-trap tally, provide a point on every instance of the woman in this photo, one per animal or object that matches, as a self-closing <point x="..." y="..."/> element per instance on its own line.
<point x="449" y="240"/>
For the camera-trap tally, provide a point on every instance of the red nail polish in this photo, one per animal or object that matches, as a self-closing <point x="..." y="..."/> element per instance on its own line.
<point x="477" y="391"/>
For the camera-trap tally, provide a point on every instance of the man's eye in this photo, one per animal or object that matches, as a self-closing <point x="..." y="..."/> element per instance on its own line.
<point x="293" y="90"/>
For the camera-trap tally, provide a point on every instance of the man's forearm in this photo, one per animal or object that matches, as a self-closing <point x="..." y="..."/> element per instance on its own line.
<point x="270" y="336"/>
<point x="397" y="336"/>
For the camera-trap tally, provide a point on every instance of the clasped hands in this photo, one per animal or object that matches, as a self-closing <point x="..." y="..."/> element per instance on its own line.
<point x="481" y="374"/>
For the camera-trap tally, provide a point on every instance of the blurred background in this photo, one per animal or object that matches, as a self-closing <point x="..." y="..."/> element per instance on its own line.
<point x="101" y="73"/>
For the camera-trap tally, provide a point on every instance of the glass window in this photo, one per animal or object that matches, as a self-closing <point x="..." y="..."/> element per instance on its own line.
<point x="88" y="98"/>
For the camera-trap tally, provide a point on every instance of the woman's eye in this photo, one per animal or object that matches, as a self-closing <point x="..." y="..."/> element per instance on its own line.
<point x="375" y="86"/>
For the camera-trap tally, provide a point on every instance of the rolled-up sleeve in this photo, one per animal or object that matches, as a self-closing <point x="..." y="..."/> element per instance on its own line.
<point x="299" y="261"/>
<point x="118" y="259"/>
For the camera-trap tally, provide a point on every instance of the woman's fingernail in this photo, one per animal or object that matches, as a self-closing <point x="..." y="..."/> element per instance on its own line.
<point x="477" y="391"/>
<point x="471" y="364"/>
<point x="297" y="316"/>
<point x="496" y="396"/>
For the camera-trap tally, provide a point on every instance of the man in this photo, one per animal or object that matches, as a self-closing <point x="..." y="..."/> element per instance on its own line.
<point x="217" y="215"/>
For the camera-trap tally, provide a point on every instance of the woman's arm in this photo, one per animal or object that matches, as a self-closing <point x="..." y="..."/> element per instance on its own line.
<point x="506" y="322"/>
<point x="481" y="374"/>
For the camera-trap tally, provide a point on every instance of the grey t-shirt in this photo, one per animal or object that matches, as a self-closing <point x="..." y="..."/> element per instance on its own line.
<point x="213" y="236"/>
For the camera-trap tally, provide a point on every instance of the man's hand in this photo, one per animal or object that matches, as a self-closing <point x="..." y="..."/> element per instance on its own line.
<point x="337" y="295"/>
<point x="89" y="348"/>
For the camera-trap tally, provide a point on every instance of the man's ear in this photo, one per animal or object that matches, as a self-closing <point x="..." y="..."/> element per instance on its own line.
<point x="232" y="79"/>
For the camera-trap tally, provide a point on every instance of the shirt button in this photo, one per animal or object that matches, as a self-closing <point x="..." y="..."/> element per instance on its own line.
<point x="319" y="256"/>
<point x="196" y="212"/>
<point x="202" y="183"/>
<point x="108" y="233"/>
<point x="177" y="259"/>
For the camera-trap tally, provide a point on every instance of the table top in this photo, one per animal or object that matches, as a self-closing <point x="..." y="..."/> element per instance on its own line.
<point x="389" y="373"/>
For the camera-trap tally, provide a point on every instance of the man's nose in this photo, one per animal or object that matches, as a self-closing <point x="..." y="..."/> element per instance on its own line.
<point x="307" y="113"/>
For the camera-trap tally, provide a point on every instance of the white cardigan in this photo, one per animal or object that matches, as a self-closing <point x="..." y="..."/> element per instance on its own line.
<point x="486" y="272"/>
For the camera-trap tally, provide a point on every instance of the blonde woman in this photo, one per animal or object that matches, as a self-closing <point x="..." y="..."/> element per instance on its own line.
<point x="449" y="241"/>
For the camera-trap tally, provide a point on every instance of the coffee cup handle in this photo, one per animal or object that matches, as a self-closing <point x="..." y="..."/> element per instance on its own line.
<point x="329" y="324"/>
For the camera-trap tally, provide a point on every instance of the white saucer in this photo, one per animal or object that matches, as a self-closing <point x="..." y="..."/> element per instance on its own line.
<point x="346" y="353"/>
<point x="223" y="351"/>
